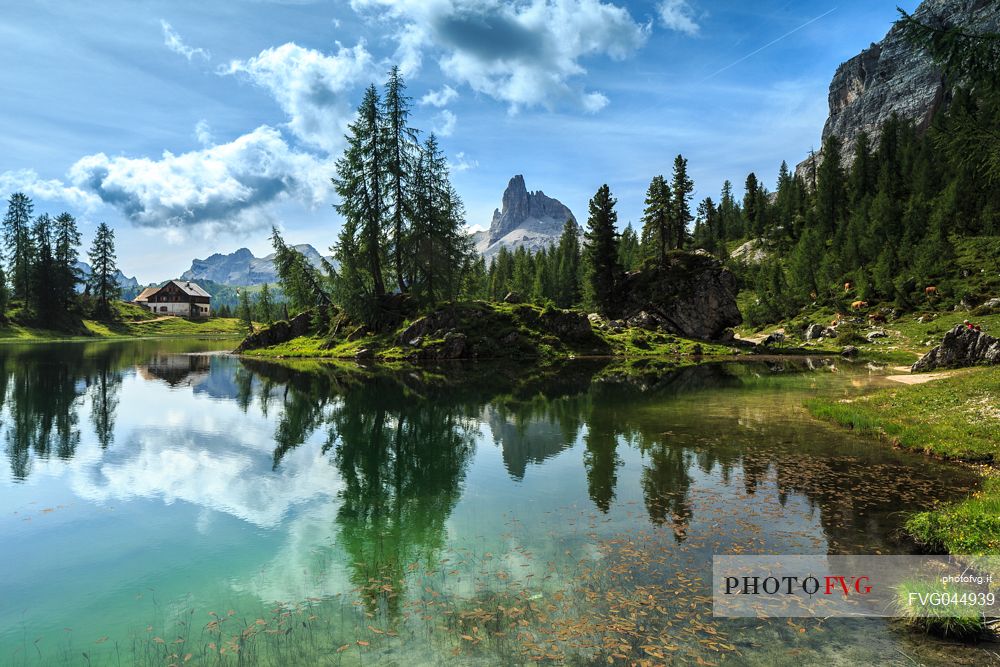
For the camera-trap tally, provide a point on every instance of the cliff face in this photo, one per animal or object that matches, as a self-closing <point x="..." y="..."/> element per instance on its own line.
<point x="896" y="77"/>
<point x="531" y="219"/>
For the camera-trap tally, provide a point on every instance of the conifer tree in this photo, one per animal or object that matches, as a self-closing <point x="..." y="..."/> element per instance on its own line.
<point x="402" y="151"/>
<point x="4" y="296"/>
<point x="66" y="244"/>
<point x="361" y="186"/>
<point x="568" y="269"/>
<point x="44" y="277"/>
<point x="265" y="306"/>
<point x="681" y="189"/>
<point x="657" y="235"/>
<point x="602" y="249"/>
<point x="831" y="189"/>
<point x="629" y="251"/>
<point x="18" y="244"/>
<point x="245" y="311"/>
<point x="302" y="283"/>
<point x="103" y="282"/>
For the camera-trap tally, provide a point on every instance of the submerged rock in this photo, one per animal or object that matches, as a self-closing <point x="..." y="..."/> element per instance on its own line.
<point x="692" y="296"/>
<point x="961" y="346"/>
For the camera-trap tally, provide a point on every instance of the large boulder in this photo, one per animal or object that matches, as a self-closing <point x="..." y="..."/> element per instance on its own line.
<point x="693" y="295"/>
<point x="277" y="333"/>
<point x="961" y="346"/>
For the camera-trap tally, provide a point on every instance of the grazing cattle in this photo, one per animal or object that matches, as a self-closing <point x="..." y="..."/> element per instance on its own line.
<point x="838" y="318"/>
<point x="858" y="305"/>
<point x="847" y="287"/>
<point x="930" y="290"/>
<point x="876" y="317"/>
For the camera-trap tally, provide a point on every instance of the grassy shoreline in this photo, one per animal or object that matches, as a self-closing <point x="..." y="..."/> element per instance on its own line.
<point x="174" y="327"/>
<point x="955" y="418"/>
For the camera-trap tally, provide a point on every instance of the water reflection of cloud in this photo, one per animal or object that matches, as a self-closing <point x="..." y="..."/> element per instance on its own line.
<point x="220" y="473"/>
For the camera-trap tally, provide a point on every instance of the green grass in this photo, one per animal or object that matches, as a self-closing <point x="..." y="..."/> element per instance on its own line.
<point x="956" y="418"/>
<point x="130" y="321"/>
<point x="968" y="527"/>
<point x="951" y="622"/>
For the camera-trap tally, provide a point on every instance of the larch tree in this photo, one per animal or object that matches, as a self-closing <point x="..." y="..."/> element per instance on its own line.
<point x="361" y="185"/>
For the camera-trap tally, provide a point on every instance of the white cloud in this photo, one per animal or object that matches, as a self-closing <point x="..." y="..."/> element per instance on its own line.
<point x="678" y="15"/>
<point x="225" y="187"/>
<point x="462" y="163"/>
<point x="444" y="123"/>
<point x="174" y="42"/>
<point x="439" y="98"/>
<point x="203" y="133"/>
<point x="311" y="87"/>
<point x="526" y="54"/>
<point x="28" y="182"/>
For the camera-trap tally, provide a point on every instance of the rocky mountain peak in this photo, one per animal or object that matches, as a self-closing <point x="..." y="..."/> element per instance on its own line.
<point x="526" y="218"/>
<point x="896" y="77"/>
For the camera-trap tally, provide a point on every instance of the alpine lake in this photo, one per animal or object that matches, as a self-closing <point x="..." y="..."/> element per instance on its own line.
<point x="166" y="503"/>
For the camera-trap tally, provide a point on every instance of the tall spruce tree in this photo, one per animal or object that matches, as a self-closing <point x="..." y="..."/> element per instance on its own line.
<point x="681" y="191"/>
<point x="602" y="249"/>
<point x="103" y="281"/>
<point x="18" y="244"/>
<point x="66" y="241"/>
<point x="402" y="150"/>
<point x="568" y="270"/>
<point x="831" y="189"/>
<point x="657" y="235"/>
<point x="629" y="250"/>
<point x="45" y="297"/>
<point x="441" y="249"/>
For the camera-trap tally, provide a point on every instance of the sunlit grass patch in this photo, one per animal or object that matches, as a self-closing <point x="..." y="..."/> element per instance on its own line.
<point x="914" y="605"/>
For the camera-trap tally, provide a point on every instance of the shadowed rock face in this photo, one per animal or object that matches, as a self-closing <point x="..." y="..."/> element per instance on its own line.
<point x="531" y="219"/>
<point x="896" y="77"/>
<point x="961" y="347"/>
<point x="693" y="296"/>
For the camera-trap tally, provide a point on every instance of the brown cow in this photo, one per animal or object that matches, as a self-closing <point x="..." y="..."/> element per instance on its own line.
<point x="847" y="287"/>
<point x="930" y="290"/>
<point x="838" y="318"/>
<point x="858" y="305"/>
<point x="876" y="317"/>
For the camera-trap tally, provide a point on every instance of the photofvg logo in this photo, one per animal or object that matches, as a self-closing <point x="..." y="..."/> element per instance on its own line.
<point x="810" y="586"/>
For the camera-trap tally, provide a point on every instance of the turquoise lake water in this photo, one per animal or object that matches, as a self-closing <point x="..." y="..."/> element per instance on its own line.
<point x="164" y="503"/>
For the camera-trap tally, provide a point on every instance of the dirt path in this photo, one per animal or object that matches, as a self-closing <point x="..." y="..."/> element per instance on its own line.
<point x="918" y="378"/>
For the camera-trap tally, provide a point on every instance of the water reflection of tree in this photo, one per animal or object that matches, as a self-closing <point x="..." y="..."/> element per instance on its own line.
<point x="42" y="406"/>
<point x="402" y="462"/>
<point x="43" y="389"/>
<point x="401" y="446"/>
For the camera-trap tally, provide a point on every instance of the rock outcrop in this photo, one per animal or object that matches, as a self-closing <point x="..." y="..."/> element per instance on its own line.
<point x="242" y="268"/>
<point x="277" y="333"/>
<point x="961" y="347"/>
<point x="529" y="219"/>
<point x="692" y="296"/>
<point x="896" y="77"/>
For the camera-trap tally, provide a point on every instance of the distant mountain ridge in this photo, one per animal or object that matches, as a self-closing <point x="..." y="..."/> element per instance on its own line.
<point x="129" y="285"/>
<point x="530" y="219"/>
<point x="241" y="268"/>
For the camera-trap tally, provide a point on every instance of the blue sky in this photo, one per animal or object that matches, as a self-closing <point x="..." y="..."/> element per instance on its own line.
<point x="192" y="127"/>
